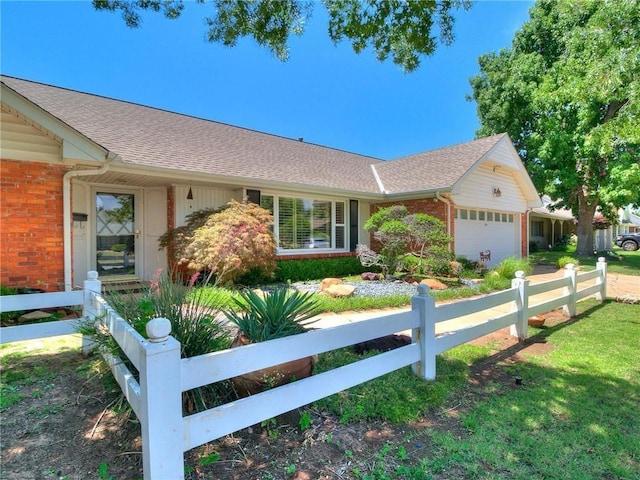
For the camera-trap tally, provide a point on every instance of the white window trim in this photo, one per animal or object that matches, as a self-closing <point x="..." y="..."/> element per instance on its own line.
<point x="306" y="251"/>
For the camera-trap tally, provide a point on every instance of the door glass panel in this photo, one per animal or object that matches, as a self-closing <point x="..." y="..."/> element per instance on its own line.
<point x="115" y="234"/>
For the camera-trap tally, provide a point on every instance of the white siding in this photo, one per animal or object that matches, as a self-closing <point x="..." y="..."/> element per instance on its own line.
<point x="155" y="224"/>
<point x="82" y="232"/>
<point x="202" y="198"/>
<point x="477" y="190"/>
<point x="21" y="141"/>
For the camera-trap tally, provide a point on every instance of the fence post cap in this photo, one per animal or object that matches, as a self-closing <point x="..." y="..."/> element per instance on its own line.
<point x="423" y="289"/>
<point x="602" y="259"/>
<point x="158" y="329"/>
<point x="570" y="266"/>
<point x="92" y="275"/>
<point x="520" y="274"/>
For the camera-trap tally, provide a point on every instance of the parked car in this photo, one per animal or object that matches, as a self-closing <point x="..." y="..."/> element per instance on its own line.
<point x="628" y="241"/>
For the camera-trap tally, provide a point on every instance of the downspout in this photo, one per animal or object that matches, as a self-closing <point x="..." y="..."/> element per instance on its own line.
<point x="527" y="232"/>
<point x="448" y="222"/>
<point x="66" y="206"/>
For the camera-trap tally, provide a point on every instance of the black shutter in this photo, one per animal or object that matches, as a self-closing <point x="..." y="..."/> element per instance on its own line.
<point x="253" y="196"/>
<point x="353" y="225"/>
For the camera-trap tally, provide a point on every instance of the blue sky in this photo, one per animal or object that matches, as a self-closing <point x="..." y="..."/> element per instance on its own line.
<point x="326" y="94"/>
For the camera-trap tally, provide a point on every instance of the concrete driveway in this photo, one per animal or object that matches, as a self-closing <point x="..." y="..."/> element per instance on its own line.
<point x="618" y="286"/>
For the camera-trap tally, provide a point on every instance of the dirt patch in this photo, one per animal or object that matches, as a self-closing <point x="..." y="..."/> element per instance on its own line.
<point x="64" y="427"/>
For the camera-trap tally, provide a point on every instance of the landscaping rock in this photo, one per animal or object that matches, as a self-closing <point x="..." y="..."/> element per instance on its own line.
<point x="328" y="282"/>
<point x="370" y="276"/>
<point x="31" y="316"/>
<point x="536" y="321"/>
<point x="434" y="284"/>
<point x="340" y="290"/>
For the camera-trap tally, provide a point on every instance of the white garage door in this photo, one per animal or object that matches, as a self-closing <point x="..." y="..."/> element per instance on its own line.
<point x="480" y="230"/>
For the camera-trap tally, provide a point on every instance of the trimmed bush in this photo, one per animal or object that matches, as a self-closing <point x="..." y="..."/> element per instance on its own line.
<point x="317" y="268"/>
<point x="564" y="261"/>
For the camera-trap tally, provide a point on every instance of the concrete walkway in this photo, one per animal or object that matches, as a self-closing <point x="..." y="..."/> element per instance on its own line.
<point x="617" y="286"/>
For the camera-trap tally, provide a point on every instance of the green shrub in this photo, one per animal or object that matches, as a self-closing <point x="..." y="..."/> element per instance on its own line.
<point x="508" y="267"/>
<point x="412" y="265"/>
<point x="564" y="261"/>
<point x="494" y="281"/>
<point x="317" y="268"/>
<point x="118" y="247"/>
<point x="192" y="313"/>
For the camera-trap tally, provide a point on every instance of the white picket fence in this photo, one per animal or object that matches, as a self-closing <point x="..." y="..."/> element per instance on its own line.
<point x="156" y="397"/>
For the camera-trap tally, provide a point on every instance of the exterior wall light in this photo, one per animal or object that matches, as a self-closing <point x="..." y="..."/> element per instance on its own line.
<point x="496" y="192"/>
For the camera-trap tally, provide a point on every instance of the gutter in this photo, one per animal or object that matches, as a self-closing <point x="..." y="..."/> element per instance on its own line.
<point x="66" y="206"/>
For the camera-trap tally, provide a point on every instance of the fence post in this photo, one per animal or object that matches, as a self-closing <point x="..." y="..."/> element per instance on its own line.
<point x="424" y="306"/>
<point x="521" y="305"/>
<point x="90" y="308"/>
<point x="570" y="272"/>
<point x="602" y="279"/>
<point x="161" y="412"/>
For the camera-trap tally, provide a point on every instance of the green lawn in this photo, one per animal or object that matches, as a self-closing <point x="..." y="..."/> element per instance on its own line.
<point x="575" y="416"/>
<point x="618" y="261"/>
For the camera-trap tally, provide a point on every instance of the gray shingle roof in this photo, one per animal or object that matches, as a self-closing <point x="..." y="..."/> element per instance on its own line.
<point x="152" y="137"/>
<point x="435" y="169"/>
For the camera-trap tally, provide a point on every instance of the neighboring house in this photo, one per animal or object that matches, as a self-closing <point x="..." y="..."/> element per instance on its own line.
<point x="549" y="226"/>
<point x="91" y="183"/>
<point x="629" y="221"/>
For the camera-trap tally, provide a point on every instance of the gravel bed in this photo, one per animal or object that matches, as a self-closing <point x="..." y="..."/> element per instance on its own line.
<point x="369" y="288"/>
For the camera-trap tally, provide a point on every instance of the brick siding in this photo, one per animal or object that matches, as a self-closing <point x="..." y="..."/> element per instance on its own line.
<point x="430" y="206"/>
<point x="31" y="225"/>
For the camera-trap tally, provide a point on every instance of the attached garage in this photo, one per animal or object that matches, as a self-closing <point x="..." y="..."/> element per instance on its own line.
<point x="488" y="235"/>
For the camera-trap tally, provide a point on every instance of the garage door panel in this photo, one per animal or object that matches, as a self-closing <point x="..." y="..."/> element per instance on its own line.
<point x="472" y="237"/>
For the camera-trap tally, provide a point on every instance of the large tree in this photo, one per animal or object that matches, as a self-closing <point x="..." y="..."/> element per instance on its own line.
<point x="568" y="94"/>
<point x="403" y="29"/>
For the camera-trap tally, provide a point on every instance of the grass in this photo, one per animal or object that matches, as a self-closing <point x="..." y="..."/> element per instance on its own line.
<point x="618" y="261"/>
<point x="575" y="415"/>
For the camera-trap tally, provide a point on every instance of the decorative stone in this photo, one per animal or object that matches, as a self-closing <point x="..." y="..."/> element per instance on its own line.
<point x="456" y="268"/>
<point x="340" y="290"/>
<point x="434" y="284"/>
<point x="37" y="315"/>
<point x="370" y="276"/>
<point x="328" y="282"/>
<point x="535" y="321"/>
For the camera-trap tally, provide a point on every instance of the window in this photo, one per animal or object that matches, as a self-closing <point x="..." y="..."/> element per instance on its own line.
<point x="306" y="223"/>
<point x="490" y="216"/>
<point x="511" y="218"/>
<point x="481" y="216"/>
<point x="472" y="214"/>
<point x="504" y="217"/>
<point x="463" y="214"/>
<point x="537" y="229"/>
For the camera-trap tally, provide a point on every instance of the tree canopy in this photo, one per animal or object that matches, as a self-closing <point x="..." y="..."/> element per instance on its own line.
<point x="402" y="29"/>
<point x="568" y="94"/>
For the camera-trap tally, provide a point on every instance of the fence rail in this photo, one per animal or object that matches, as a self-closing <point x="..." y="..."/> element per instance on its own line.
<point x="162" y="376"/>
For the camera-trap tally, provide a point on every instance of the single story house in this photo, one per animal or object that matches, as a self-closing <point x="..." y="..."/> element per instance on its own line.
<point x="549" y="226"/>
<point x="91" y="183"/>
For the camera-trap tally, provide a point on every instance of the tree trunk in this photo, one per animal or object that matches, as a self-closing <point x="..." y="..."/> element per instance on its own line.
<point x="586" y="210"/>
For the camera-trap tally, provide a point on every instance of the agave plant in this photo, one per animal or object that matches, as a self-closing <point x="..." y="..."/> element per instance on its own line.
<point x="275" y="314"/>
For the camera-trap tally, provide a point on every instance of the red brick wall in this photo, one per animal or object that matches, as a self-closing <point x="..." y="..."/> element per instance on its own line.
<point x="31" y="225"/>
<point x="524" y="242"/>
<point x="430" y="206"/>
